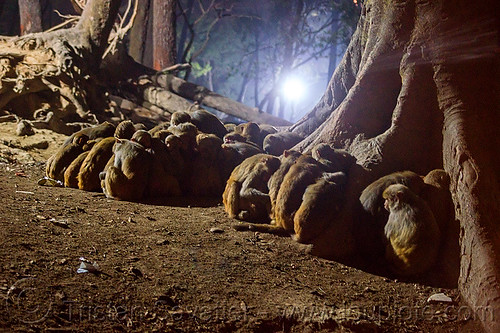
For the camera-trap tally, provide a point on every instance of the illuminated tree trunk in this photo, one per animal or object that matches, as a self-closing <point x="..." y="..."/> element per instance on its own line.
<point x="418" y="89"/>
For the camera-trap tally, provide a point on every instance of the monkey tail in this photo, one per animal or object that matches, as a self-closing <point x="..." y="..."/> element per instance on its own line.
<point x="231" y="198"/>
<point x="264" y="228"/>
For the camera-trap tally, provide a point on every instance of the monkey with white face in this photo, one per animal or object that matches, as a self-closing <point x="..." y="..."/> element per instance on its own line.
<point x="411" y="232"/>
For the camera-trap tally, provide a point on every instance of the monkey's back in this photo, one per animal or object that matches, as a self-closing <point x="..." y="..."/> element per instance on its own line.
<point x="94" y="163"/>
<point x="298" y="178"/>
<point x="128" y="177"/>
<point x="71" y="173"/>
<point x="318" y="208"/>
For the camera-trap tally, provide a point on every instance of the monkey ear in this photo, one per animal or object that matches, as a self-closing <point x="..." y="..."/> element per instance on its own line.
<point x="399" y="195"/>
<point x="118" y="140"/>
<point x="286" y="153"/>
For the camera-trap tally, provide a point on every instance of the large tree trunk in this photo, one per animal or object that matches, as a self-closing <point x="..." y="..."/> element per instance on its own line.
<point x="418" y="89"/>
<point x="63" y="61"/>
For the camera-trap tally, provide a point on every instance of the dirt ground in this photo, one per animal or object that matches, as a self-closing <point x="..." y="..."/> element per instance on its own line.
<point x="177" y="265"/>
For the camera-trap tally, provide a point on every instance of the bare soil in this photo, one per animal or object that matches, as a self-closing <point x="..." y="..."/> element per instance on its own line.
<point x="177" y="265"/>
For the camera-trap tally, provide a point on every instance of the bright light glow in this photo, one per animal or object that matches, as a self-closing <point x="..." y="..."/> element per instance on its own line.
<point x="294" y="89"/>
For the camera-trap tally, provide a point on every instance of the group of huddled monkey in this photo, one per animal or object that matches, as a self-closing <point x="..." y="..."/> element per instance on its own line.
<point x="263" y="183"/>
<point x="298" y="193"/>
<point x="301" y="195"/>
<point x="193" y="154"/>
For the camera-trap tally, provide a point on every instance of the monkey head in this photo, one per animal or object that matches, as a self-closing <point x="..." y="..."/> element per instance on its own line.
<point x="142" y="137"/>
<point x="125" y="130"/>
<point x="395" y="196"/>
<point x="234" y="137"/>
<point x="180" y="117"/>
<point x="80" y="139"/>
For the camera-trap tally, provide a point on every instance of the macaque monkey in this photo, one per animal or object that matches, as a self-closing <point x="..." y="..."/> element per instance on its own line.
<point x="230" y="127"/>
<point x="437" y="195"/>
<point x="245" y="196"/>
<point x="187" y="132"/>
<point x="128" y="177"/>
<point x="277" y="143"/>
<point x="94" y="163"/>
<point x="142" y="137"/>
<point x="140" y="126"/>
<point x="60" y="161"/>
<point x="180" y="117"/>
<point x="174" y="147"/>
<point x="251" y="132"/>
<point x="332" y="159"/>
<point x="125" y="130"/>
<point x="71" y="173"/>
<point x="233" y="137"/>
<point x="208" y="123"/>
<point x="305" y="197"/>
<point x="320" y="205"/>
<point x="304" y="172"/>
<point x="159" y="127"/>
<point x="288" y="158"/>
<point x="266" y="129"/>
<point x="411" y="231"/>
<point x="102" y="130"/>
<point x="371" y="197"/>
<point x="162" y="181"/>
<point x="207" y="178"/>
<point x="205" y="121"/>
<point x="102" y="174"/>
<point x="240" y="150"/>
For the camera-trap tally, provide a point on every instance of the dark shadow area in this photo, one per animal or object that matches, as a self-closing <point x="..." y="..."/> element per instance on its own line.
<point x="184" y="201"/>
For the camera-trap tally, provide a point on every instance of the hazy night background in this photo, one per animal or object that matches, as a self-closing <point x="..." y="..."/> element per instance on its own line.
<point x="277" y="56"/>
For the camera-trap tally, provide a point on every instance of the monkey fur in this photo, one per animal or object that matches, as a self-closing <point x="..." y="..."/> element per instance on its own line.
<point x="58" y="163"/>
<point x="128" y="177"/>
<point x="411" y="232"/>
<point x="246" y="195"/>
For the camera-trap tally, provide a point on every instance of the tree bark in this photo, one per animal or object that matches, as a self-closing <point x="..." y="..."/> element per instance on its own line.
<point x="418" y="89"/>
<point x="95" y="25"/>
<point x="164" y="34"/>
<point x="30" y="13"/>
<point x="332" y="56"/>
<point x="138" y="33"/>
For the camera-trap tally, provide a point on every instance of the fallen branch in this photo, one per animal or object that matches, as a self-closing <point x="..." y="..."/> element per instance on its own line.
<point x="211" y="99"/>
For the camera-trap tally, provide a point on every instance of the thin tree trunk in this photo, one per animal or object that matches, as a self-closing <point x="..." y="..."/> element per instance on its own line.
<point x="164" y="34"/>
<point x="30" y="13"/>
<point x="257" y="68"/>
<point x="182" y="49"/>
<point x="138" y="33"/>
